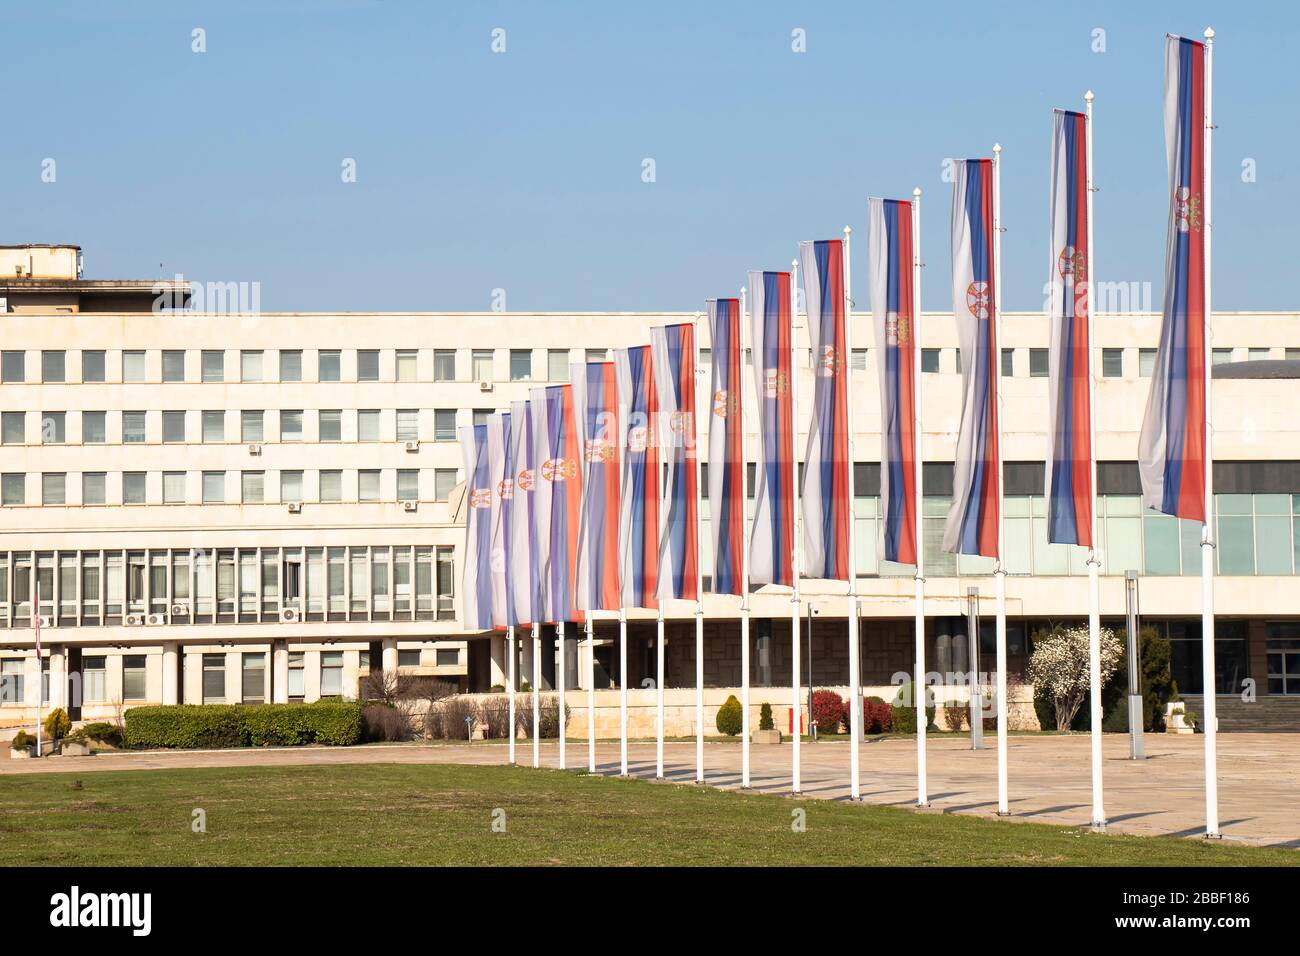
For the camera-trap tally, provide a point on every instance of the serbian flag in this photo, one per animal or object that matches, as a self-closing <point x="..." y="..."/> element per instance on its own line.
<point x="557" y="500"/>
<point x="827" y="496"/>
<point x="1171" y="448"/>
<point x="893" y="314"/>
<point x="477" y="584"/>
<point x="673" y="360"/>
<point x="972" y="526"/>
<point x="522" y="548"/>
<point x="501" y="480"/>
<point x="1069" y="432"/>
<point x="726" y="449"/>
<point x="598" y="580"/>
<point x="771" y="543"/>
<point x="638" y="525"/>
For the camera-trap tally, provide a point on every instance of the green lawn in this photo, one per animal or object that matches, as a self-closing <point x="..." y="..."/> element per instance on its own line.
<point x="391" y="814"/>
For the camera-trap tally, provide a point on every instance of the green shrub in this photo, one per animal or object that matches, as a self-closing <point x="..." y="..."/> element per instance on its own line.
<point x="20" y="741"/>
<point x="765" y="717"/>
<point x="208" y="726"/>
<point x="100" y="731"/>
<point x="730" y="717"/>
<point x="57" y="724"/>
<point x="332" y="722"/>
<point x="903" y="711"/>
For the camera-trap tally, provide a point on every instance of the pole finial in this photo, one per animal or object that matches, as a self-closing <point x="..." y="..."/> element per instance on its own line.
<point x="847" y="231"/>
<point x="1088" y="96"/>
<point x="997" y="147"/>
<point x="1209" y="33"/>
<point x="917" y="192"/>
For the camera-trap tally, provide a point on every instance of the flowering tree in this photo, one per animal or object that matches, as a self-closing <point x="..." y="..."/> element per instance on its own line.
<point x="1059" y="667"/>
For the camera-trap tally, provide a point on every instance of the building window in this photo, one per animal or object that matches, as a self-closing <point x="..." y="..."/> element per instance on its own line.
<point x="214" y="678"/>
<point x="1257" y="354"/>
<point x="297" y="686"/>
<point x="173" y="365"/>
<point x="94" y="428"/>
<point x="331" y="424"/>
<point x="481" y="365"/>
<point x="367" y="365"/>
<point x="13" y="426"/>
<point x="133" y="428"/>
<point x="448" y="657"/>
<point x="557" y="365"/>
<point x="408" y="484"/>
<point x="214" y="426"/>
<point x="94" y="674"/>
<point x="444" y="479"/>
<point x="329" y="366"/>
<point x="13" y="367"/>
<point x="1221" y="357"/>
<point x="1283" y="647"/>
<point x="481" y="416"/>
<point x="444" y="424"/>
<point x="213" y="363"/>
<point x="54" y="430"/>
<point x="291" y="486"/>
<point x="858" y="360"/>
<point x="331" y="485"/>
<point x="253" y="487"/>
<point x="331" y="673"/>
<point x="1008" y="363"/>
<point x="444" y="365"/>
<point x="291" y="365"/>
<point x="929" y="360"/>
<point x="134" y="684"/>
<point x="407" y="365"/>
<point x="599" y="355"/>
<point x="53" y="366"/>
<point x="92" y="366"/>
<point x="521" y="365"/>
<point x="291" y="425"/>
<point x="94" y="488"/>
<point x="12" y="680"/>
<point x="408" y="424"/>
<point x="368" y="484"/>
<point x="368" y="424"/>
<point x="445" y="557"/>
<point x="173" y="487"/>
<point x="133" y="366"/>
<point x="250" y="365"/>
<point x="1112" y="363"/>
<point x="254" y="678"/>
<point x="250" y="425"/>
<point x="408" y="658"/>
<point x="1038" y="363"/>
<point x="12" y="486"/>
<point x="173" y="427"/>
<point x="133" y="488"/>
<point x="54" y="488"/>
<point x="214" y="487"/>
<point x="1146" y="362"/>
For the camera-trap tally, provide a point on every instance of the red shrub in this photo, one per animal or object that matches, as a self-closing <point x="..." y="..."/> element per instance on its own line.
<point x="877" y="716"/>
<point x="828" y="711"/>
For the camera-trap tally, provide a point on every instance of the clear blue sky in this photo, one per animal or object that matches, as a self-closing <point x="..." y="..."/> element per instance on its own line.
<point x="522" y="170"/>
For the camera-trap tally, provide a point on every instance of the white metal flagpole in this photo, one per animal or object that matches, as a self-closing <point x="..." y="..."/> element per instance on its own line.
<point x="622" y="691"/>
<point x="1094" y="553"/>
<point x="918" y="682"/>
<point x="1209" y="704"/>
<point x="796" y="545"/>
<point x="855" y="675"/>
<point x="36" y="619"/>
<point x="1000" y="570"/>
<point x="560" y="675"/>
<point x="744" y="560"/>
<point x="510" y="677"/>
<point x="699" y="568"/>
<point x="591" y="696"/>
<point x="659" y="692"/>
<point x="537" y="700"/>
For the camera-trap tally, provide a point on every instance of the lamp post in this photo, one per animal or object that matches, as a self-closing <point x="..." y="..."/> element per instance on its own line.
<point x="1136" y="716"/>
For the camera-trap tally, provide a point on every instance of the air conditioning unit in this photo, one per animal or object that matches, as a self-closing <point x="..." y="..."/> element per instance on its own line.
<point x="133" y="620"/>
<point x="411" y="445"/>
<point x="290" y="615"/>
<point x="180" y="610"/>
<point x="409" y="505"/>
<point x="154" y="620"/>
<point x="295" y="507"/>
<point x="255" y="449"/>
<point x="485" y="386"/>
<point x="46" y="621"/>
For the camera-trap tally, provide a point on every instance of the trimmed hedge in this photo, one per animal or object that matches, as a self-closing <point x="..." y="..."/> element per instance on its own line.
<point x="208" y="726"/>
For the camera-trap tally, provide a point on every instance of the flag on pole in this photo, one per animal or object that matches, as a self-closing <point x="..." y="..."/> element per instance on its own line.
<point x="1171" y="448"/>
<point x="893" y="315"/>
<point x="477" y="582"/>
<point x="557" y="500"/>
<point x="826" y="493"/>
<point x="972" y="526"/>
<point x="638" y="526"/>
<point x="501" y="480"/>
<point x="522" y="549"/>
<point x="771" y="543"/>
<point x="726" y="448"/>
<point x="673" y="360"/>
<point x="1069" y="433"/>
<point x="598" y="577"/>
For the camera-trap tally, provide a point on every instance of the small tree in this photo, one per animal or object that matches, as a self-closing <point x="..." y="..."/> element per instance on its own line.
<point x="57" y="724"/>
<point x="730" y="717"/>
<point x="1059" y="667"/>
<point x="765" y="717"/>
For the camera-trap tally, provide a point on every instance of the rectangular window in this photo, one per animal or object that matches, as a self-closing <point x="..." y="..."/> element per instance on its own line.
<point x="1221" y="357"/>
<point x="331" y="485"/>
<point x="1146" y="362"/>
<point x="407" y="365"/>
<point x="367" y="365"/>
<point x="408" y="658"/>
<point x="521" y="365"/>
<point x="331" y="424"/>
<point x="94" y="428"/>
<point x="133" y="428"/>
<point x="444" y="424"/>
<point x="598" y="355"/>
<point x="214" y="678"/>
<point x="133" y="488"/>
<point x="444" y="365"/>
<point x="92" y="365"/>
<point x="53" y="366"/>
<point x="11" y="680"/>
<point x="331" y="673"/>
<point x="291" y="486"/>
<point x="253" y="487"/>
<point x="368" y="484"/>
<point x="214" y="365"/>
<point x="94" y="488"/>
<point x="1008" y="362"/>
<point x="1112" y="363"/>
<point x="858" y="360"/>
<point x="250" y="426"/>
<point x="1257" y="354"/>
<point x="54" y="488"/>
<point x="929" y="360"/>
<point x="54" y="428"/>
<point x="254" y="678"/>
<point x="13" y="367"/>
<point x="446" y="583"/>
<point x="214" y="487"/>
<point x="481" y="416"/>
<point x="173" y="427"/>
<point x="134" y="684"/>
<point x="94" y="674"/>
<point x="329" y="366"/>
<point x="408" y="484"/>
<point x="408" y="424"/>
<point x="173" y="365"/>
<point x="250" y="365"/>
<point x="133" y="366"/>
<point x="444" y="479"/>
<point x="1038" y="363"/>
<point x="447" y="657"/>
<point x="297" y="686"/>
<point x="368" y="424"/>
<point x="1236" y="542"/>
<point x="12" y="488"/>
<point x="481" y="365"/>
<point x="173" y="487"/>
<point x="557" y="365"/>
<point x="291" y="424"/>
<point x="214" y="426"/>
<point x="13" y="425"/>
<point x="291" y="365"/>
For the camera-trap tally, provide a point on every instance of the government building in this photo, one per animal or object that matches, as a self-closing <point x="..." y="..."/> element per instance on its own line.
<point x="216" y="506"/>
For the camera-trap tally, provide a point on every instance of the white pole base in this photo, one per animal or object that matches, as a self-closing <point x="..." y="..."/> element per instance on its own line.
<point x="1097" y="826"/>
